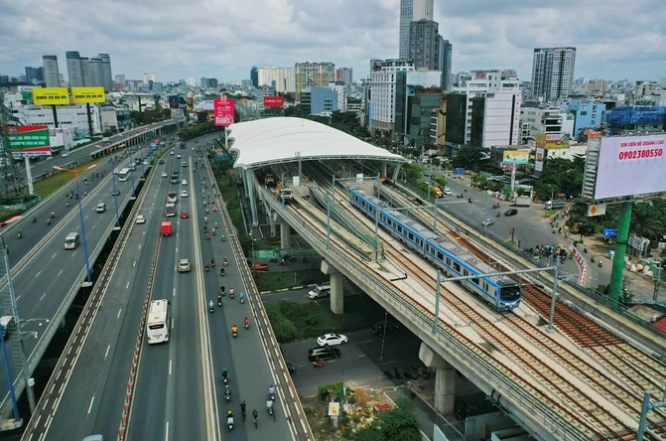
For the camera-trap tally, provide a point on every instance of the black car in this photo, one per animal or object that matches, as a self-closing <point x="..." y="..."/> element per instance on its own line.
<point x="511" y="212"/>
<point x="115" y="193"/>
<point x="175" y="172"/>
<point x="161" y="161"/>
<point x="325" y="353"/>
<point x="391" y="328"/>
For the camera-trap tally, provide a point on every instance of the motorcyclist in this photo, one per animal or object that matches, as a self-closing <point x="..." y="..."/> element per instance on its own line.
<point x="52" y="215"/>
<point x="227" y="392"/>
<point x="34" y="219"/>
<point x="269" y="405"/>
<point x="206" y="219"/>
<point x="224" y="261"/>
<point x="255" y="414"/>
<point x="271" y="390"/>
<point x="225" y="374"/>
<point x="243" y="406"/>
<point x="212" y="261"/>
<point x="234" y="329"/>
<point x="48" y="221"/>
<point x="241" y="297"/>
<point x="211" y="304"/>
<point x="222" y="289"/>
<point x="230" y="418"/>
<point x="20" y="234"/>
<point x="246" y="322"/>
<point x="222" y="271"/>
<point x="219" y="299"/>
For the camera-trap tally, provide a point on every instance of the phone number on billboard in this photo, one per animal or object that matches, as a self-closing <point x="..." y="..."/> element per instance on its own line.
<point x="639" y="154"/>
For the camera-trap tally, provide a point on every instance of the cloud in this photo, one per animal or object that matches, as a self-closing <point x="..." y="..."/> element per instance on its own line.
<point x="223" y="38"/>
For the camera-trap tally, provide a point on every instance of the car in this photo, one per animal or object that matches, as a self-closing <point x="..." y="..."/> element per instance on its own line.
<point x="511" y="212"/>
<point x="324" y="353"/>
<point x="184" y="266"/>
<point x="101" y="207"/>
<point x="184" y="163"/>
<point x="164" y="174"/>
<point x="64" y="155"/>
<point x="488" y="222"/>
<point x="183" y="194"/>
<point x="448" y="192"/>
<point x="192" y="148"/>
<point x="332" y="340"/>
<point x="115" y="192"/>
<point x="260" y="267"/>
<point x="380" y="329"/>
<point x="172" y="153"/>
<point x="140" y="219"/>
<point x="161" y="161"/>
<point x="184" y="214"/>
<point x="116" y="171"/>
<point x="94" y="438"/>
<point x="179" y="156"/>
<point x="183" y="182"/>
<point x="175" y="172"/>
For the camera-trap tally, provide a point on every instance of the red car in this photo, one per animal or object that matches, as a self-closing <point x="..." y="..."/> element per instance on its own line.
<point x="261" y="267"/>
<point x="184" y="214"/>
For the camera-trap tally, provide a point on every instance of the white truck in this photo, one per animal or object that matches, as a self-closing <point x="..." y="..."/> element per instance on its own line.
<point x="522" y="201"/>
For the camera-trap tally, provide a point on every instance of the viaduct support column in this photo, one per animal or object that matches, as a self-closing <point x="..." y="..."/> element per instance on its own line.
<point x="337" y="291"/>
<point x="285" y="235"/>
<point x="253" y="199"/>
<point x="445" y="379"/>
<point x="272" y="221"/>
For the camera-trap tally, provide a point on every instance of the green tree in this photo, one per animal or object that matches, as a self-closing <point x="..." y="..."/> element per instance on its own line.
<point x="647" y="220"/>
<point x="469" y="158"/>
<point x="370" y="433"/>
<point x="400" y="423"/>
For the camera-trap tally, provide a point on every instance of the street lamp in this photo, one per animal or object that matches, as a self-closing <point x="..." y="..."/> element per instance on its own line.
<point x="83" y="227"/>
<point x="254" y="271"/>
<point x="132" y="167"/>
<point x="143" y="166"/>
<point x="115" y="199"/>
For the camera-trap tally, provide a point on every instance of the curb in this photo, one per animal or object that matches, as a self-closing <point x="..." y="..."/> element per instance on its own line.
<point x="293" y="288"/>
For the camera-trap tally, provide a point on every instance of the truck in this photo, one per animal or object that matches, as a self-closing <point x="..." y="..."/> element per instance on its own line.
<point x="285" y="193"/>
<point x="437" y="192"/>
<point x="522" y="201"/>
<point x="166" y="229"/>
<point x="170" y="210"/>
<point x="556" y="204"/>
<point x="269" y="180"/>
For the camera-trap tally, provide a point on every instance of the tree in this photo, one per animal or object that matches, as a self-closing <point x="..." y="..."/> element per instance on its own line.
<point x="469" y="157"/>
<point x="370" y="433"/>
<point x="647" y="220"/>
<point x="400" y="423"/>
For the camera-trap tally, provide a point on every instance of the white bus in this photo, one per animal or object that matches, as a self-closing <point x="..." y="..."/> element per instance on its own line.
<point x="123" y="174"/>
<point x="159" y="320"/>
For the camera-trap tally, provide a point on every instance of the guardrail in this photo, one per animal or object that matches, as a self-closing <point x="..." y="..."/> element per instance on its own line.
<point x="510" y="390"/>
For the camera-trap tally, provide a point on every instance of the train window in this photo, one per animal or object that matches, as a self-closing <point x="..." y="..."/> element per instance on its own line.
<point x="485" y="286"/>
<point x="465" y="272"/>
<point x="448" y="261"/>
<point x="456" y="266"/>
<point x="440" y="256"/>
<point x="410" y="235"/>
<point x="475" y="281"/>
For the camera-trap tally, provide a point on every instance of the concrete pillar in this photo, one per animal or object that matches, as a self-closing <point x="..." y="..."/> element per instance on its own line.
<point x="383" y="169"/>
<point x="245" y="183"/>
<point x="272" y="218"/>
<point x="445" y="379"/>
<point x="337" y="287"/>
<point x="285" y="235"/>
<point x="253" y="200"/>
<point x="396" y="171"/>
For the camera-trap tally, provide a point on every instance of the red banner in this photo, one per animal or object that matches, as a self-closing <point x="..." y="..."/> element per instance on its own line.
<point x="224" y="112"/>
<point x="273" y="101"/>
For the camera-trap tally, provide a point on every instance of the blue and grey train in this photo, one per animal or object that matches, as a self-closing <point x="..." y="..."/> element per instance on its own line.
<point x="453" y="260"/>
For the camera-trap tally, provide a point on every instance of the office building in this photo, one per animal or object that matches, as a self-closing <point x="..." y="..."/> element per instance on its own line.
<point x="254" y="76"/>
<point x="423" y="10"/>
<point x="383" y="93"/>
<point x="313" y="74"/>
<point x="596" y="87"/>
<point x="149" y="77"/>
<point x="68" y="117"/>
<point x="445" y="54"/>
<point x="647" y="89"/>
<point x="407" y="84"/>
<point x="74" y="69"/>
<point x="281" y="78"/>
<point x="406" y="13"/>
<point x="96" y="72"/>
<point x="423" y="44"/>
<point x="190" y="82"/>
<point x="552" y="73"/>
<point x="34" y="74"/>
<point x="87" y="72"/>
<point x="344" y="75"/>
<point x="324" y="100"/>
<point x="51" y="71"/>
<point x="556" y="123"/>
<point x="621" y="120"/>
<point x="120" y="79"/>
<point x="341" y="91"/>
<point x="106" y="75"/>
<point x="590" y="114"/>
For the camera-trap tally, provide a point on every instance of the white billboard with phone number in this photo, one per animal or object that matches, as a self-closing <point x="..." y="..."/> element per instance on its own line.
<point x="631" y="166"/>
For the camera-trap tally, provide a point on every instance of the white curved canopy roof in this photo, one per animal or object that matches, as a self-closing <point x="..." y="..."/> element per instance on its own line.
<point x="278" y="140"/>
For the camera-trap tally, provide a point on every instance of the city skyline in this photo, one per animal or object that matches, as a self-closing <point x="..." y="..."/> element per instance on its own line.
<point x="483" y="35"/>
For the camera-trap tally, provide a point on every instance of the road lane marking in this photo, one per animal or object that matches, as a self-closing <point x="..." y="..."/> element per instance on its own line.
<point x="118" y="316"/>
<point x="127" y="286"/>
<point x="54" y="254"/>
<point x="107" y="351"/>
<point x="176" y="250"/>
<point x="37" y="275"/>
<point x="42" y="297"/>
<point x="166" y="438"/>
<point x="91" y="403"/>
<point x="59" y="273"/>
<point x="139" y="246"/>
<point x="174" y="292"/>
<point x="86" y="218"/>
<point x="173" y="323"/>
<point x="18" y="297"/>
<point x="134" y="264"/>
<point x="170" y="366"/>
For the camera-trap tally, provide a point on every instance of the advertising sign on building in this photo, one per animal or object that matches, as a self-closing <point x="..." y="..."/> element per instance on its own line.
<point x="224" y="112"/>
<point x="174" y="102"/>
<point x="539" y="159"/>
<point x="552" y="140"/>
<point x="516" y="157"/>
<point x="50" y="96"/>
<point x="273" y="101"/>
<point x="29" y="141"/>
<point x="86" y="95"/>
<point x="596" y="210"/>
<point x="631" y="165"/>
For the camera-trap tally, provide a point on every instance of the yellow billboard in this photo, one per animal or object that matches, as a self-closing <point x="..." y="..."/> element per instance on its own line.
<point x="50" y="96"/>
<point x="84" y="95"/>
<point x="552" y="140"/>
<point x="516" y="157"/>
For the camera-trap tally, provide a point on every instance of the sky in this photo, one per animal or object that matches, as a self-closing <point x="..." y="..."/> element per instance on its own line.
<point x="178" y="39"/>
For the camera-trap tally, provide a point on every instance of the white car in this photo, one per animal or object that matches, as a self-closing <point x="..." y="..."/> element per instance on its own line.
<point x="488" y="222"/>
<point x="184" y="265"/>
<point x="140" y="219"/>
<point x="179" y="156"/>
<point x="183" y="182"/>
<point x="183" y="193"/>
<point x="164" y="174"/>
<point x="332" y="340"/>
<point x="447" y="191"/>
<point x="171" y="153"/>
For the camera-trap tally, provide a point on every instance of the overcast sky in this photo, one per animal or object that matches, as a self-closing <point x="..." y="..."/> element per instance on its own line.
<point x="615" y="39"/>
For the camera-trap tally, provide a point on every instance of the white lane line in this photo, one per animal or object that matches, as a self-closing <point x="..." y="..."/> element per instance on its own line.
<point x="59" y="273"/>
<point x="173" y="323"/>
<point x="170" y="366"/>
<point x="118" y="316"/>
<point x="127" y="286"/>
<point x="91" y="403"/>
<point x="134" y="264"/>
<point x="107" y="351"/>
<point x="139" y="246"/>
<point x="37" y="275"/>
<point x="144" y="233"/>
<point x="174" y="292"/>
<point x="42" y="297"/>
<point x="176" y="250"/>
<point x="86" y="218"/>
<point x="166" y="438"/>
<point x="18" y="297"/>
<point x="54" y="254"/>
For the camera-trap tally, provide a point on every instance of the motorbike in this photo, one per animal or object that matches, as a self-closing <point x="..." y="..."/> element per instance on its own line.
<point x="231" y="293"/>
<point x="222" y="272"/>
<point x="318" y="363"/>
<point x="270" y="410"/>
<point x="211" y="310"/>
<point x="271" y="396"/>
<point x="212" y="263"/>
<point x="291" y="368"/>
<point x="585" y="249"/>
<point x="48" y="221"/>
<point x="230" y="423"/>
<point x="207" y="236"/>
<point x="469" y="200"/>
<point x="225" y="262"/>
<point x="20" y="235"/>
<point x="34" y="220"/>
<point x="246" y="325"/>
<point x="592" y="259"/>
<point x="242" y="300"/>
<point x="219" y="303"/>
<point x="599" y="263"/>
<point x="498" y="214"/>
<point x="207" y="266"/>
<point x="235" y="333"/>
<point x="227" y="394"/>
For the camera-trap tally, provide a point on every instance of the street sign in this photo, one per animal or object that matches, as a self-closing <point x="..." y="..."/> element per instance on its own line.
<point x="459" y="171"/>
<point x="610" y="232"/>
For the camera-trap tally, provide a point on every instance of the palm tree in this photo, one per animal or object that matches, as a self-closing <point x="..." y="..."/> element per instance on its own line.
<point x="646" y="221"/>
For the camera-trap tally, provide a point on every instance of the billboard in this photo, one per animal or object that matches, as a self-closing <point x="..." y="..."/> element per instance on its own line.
<point x="29" y="141"/>
<point x="631" y="165"/>
<point x="86" y="95"/>
<point x="224" y="112"/>
<point x="50" y="96"/>
<point x="552" y="140"/>
<point x="273" y="101"/>
<point x="516" y="157"/>
<point x="174" y="102"/>
<point x="539" y="159"/>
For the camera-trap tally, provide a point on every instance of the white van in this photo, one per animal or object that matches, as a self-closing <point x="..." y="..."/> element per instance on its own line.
<point x="320" y="291"/>
<point x="72" y="241"/>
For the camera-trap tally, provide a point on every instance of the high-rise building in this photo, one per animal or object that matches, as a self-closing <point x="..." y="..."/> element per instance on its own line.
<point x="120" y="78"/>
<point x="254" y="76"/>
<point x="87" y="72"/>
<point x="148" y="77"/>
<point x="51" y="71"/>
<point x="323" y="100"/>
<point x="345" y="75"/>
<point x="423" y="10"/>
<point x="381" y="102"/>
<point x="406" y="13"/>
<point x="313" y="74"/>
<point x="279" y="78"/>
<point x="106" y="75"/>
<point x="445" y="53"/>
<point x="191" y="82"/>
<point x="341" y="90"/>
<point x="74" y="69"/>
<point x="96" y="72"/>
<point x="423" y="44"/>
<point x="34" y="74"/>
<point x="205" y="83"/>
<point x="552" y="73"/>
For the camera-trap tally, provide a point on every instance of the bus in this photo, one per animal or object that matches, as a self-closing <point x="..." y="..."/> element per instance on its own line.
<point x="159" y="320"/>
<point x="123" y="174"/>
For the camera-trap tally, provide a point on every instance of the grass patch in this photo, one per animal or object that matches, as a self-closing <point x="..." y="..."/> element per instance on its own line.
<point x="50" y="185"/>
<point x="267" y="280"/>
<point x="299" y="321"/>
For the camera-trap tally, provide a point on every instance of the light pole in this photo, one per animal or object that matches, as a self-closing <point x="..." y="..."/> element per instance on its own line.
<point x="143" y="166"/>
<point x="83" y="227"/>
<point x="132" y="167"/>
<point x="115" y="199"/>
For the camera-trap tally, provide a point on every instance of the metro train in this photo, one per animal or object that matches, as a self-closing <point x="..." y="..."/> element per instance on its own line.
<point x="502" y="292"/>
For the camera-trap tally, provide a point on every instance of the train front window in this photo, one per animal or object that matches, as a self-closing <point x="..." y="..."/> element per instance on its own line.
<point x="510" y="293"/>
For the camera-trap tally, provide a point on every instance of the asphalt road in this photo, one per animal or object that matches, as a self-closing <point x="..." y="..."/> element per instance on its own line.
<point x="301" y="295"/>
<point x="94" y="397"/>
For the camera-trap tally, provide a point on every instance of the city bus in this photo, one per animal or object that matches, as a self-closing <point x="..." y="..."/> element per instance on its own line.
<point x="123" y="174"/>
<point x="159" y="321"/>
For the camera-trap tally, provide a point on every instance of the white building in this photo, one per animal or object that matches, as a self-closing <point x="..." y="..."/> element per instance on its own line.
<point x="148" y="77"/>
<point x="383" y="92"/>
<point x="68" y="117"/>
<point x="548" y="120"/>
<point x="342" y="95"/>
<point x="191" y="82"/>
<point x="282" y="79"/>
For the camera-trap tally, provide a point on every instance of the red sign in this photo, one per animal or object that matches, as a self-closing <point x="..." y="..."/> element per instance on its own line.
<point x="224" y="112"/>
<point x="273" y="101"/>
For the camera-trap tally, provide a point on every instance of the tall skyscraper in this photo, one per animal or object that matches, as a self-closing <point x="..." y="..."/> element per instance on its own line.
<point x="445" y="53"/>
<point x="96" y="71"/>
<point x="87" y="72"/>
<point x="345" y="75"/>
<point x="254" y="76"/>
<point x="147" y="77"/>
<point x="406" y="13"/>
<point x="423" y="44"/>
<point x="74" y="69"/>
<point x="423" y="10"/>
<point x="552" y="73"/>
<point x="34" y="74"/>
<point x="120" y="78"/>
<point x="313" y="75"/>
<point x="51" y="71"/>
<point x="106" y="75"/>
